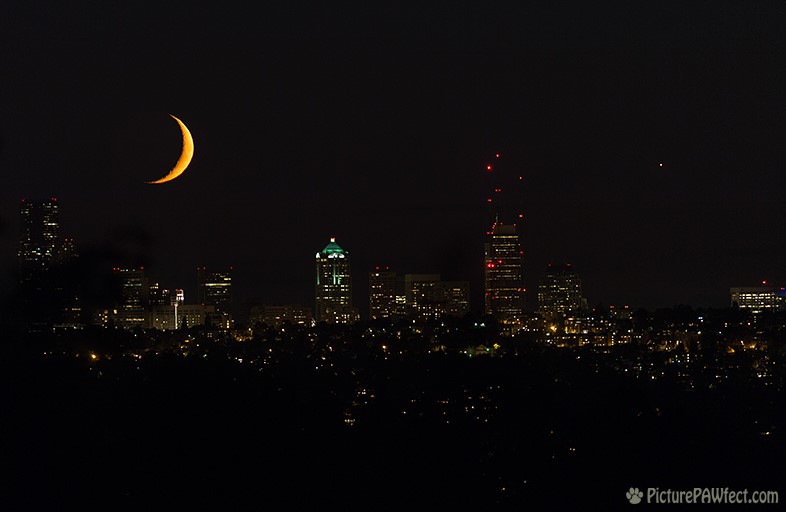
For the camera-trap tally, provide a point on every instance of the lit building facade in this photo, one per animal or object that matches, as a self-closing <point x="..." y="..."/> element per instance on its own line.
<point x="49" y="295"/>
<point x="451" y="298"/>
<point x="215" y="289"/>
<point x="758" y="299"/>
<point x="67" y="291"/>
<point x="503" y="275"/>
<point x="134" y="290"/>
<point x="177" y="316"/>
<point x="382" y="293"/>
<point x="428" y="297"/>
<point x="67" y="252"/>
<point x="333" y="291"/>
<point x="559" y="292"/>
<point x="157" y="296"/>
<point x="417" y="288"/>
<point x="276" y="314"/>
<point x="38" y="240"/>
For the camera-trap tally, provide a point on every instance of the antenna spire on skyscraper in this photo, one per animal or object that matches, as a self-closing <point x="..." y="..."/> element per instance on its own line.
<point x="503" y="275"/>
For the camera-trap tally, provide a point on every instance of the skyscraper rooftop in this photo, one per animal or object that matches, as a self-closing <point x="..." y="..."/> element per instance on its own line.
<point x="333" y="250"/>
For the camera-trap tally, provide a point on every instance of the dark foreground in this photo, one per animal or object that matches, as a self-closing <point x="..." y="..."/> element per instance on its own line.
<point x="535" y="433"/>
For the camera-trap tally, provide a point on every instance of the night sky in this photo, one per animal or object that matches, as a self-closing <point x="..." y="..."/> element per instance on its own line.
<point x="374" y="123"/>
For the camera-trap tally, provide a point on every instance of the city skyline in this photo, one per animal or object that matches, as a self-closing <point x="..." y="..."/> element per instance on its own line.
<point x="65" y="247"/>
<point x="649" y="145"/>
<point x="457" y="254"/>
<point x="361" y="299"/>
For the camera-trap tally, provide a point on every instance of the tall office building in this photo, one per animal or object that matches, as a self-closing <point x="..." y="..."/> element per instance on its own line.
<point x="334" y="286"/>
<point x="559" y="291"/>
<point x="417" y="289"/>
<point x="68" y="287"/>
<point x="382" y="293"/>
<point x="215" y="289"/>
<point x="134" y="292"/>
<point x="49" y="296"/>
<point x="66" y="251"/>
<point x="503" y="277"/>
<point x="452" y="298"/>
<point x="156" y="295"/>
<point x="38" y="240"/>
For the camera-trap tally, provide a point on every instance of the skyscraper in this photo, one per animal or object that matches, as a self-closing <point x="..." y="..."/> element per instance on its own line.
<point x="416" y="288"/>
<point x="503" y="276"/>
<point x="38" y="240"/>
<point x="49" y="295"/>
<point x="134" y="290"/>
<point x="334" y="286"/>
<point x="215" y="289"/>
<point x="503" y="279"/>
<point x="559" y="291"/>
<point x="68" y="287"/>
<point x="157" y="296"/>
<point x="452" y="297"/>
<point x="382" y="293"/>
<point x="66" y="251"/>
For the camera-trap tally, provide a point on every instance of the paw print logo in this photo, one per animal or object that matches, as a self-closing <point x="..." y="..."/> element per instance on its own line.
<point x="634" y="495"/>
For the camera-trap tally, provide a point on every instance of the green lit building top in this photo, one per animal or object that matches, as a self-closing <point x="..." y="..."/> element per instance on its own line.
<point x="333" y="290"/>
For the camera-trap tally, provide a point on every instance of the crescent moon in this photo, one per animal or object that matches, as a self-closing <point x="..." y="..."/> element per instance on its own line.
<point x="185" y="155"/>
